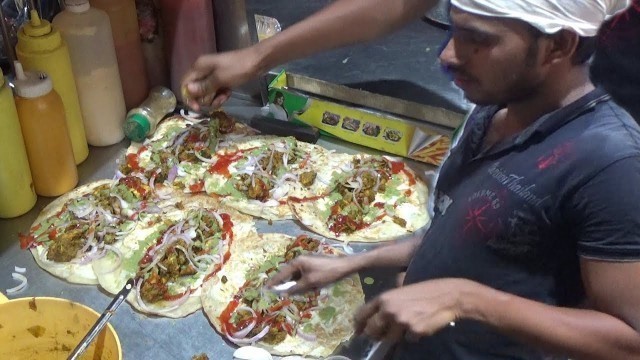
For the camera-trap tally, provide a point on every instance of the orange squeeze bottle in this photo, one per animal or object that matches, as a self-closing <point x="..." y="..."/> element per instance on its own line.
<point x="44" y="129"/>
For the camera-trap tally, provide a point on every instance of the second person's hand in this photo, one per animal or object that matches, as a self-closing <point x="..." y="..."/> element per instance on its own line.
<point x="311" y="272"/>
<point x="209" y="81"/>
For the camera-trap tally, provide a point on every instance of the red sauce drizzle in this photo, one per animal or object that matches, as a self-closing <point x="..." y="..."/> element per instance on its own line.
<point x="132" y="162"/>
<point x="398" y="166"/>
<point x="134" y="183"/>
<point x="27" y="241"/>
<point x="305" y="199"/>
<point x="227" y="234"/>
<point x="197" y="187"/>
<point x="379" y="205"/>
<point x="222" y="164"/>
<point x="225" y="316"/>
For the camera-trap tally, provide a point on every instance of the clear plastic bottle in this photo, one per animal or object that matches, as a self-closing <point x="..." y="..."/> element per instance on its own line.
<point x="87" y="32"/>
<point x="17" y="195"/>
<point x="143" y="120"/>
<point x="44" y="129"/>
<point x="126" y="37"/>
<point x="41" y="48"/>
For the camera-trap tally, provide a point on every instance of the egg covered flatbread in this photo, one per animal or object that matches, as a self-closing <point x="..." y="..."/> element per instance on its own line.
<point x="86" y="224"/>
<point x="257" y="175"/>
<point x="379" y="199"/>
<point x="172" y="257"/>
<point x="178" y="153"/>
<point x="243" y="311"/>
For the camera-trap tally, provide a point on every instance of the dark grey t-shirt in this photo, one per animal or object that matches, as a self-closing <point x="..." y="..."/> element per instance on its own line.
<point x="518" y="216"/>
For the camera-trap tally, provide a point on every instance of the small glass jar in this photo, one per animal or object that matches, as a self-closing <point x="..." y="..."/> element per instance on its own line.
<point x="143" y="120"/>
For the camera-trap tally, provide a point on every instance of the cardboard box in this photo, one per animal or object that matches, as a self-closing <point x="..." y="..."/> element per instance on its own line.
<point x="374" y="129"/>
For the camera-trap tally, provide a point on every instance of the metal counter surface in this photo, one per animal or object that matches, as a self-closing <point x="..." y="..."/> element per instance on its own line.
<point x="148" y="337"/>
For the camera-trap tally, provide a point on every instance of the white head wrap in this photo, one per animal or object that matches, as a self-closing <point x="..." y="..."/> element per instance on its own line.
<point x="549" y="16"/>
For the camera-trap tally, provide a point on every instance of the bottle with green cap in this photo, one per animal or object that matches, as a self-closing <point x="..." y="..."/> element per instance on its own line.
<point x="41" y="48"/>
<point x="17" y="194"/>
<point x="44" y="128"/>
<point x="143" y="120"/>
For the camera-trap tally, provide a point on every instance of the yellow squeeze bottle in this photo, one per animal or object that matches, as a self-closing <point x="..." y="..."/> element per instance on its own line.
<point x="45" y="134"/>
<point x="41" y="48"/>
<point x="17" y="195"/>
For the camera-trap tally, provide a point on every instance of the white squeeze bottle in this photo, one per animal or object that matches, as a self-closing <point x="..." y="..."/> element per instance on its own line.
<point x="87" y="32"/>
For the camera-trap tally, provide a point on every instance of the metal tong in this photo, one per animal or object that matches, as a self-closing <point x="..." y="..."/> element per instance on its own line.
<point x="102" y="321"/>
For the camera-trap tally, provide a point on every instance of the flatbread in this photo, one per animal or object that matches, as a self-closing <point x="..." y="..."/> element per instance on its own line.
<point x="188" y="236"/>
<point x="261" y="173"/>
<point x="82" y="225"/>
<point x="325" y="325"/>
<point x="178" y="154"/>
<point x="398" y="208"/>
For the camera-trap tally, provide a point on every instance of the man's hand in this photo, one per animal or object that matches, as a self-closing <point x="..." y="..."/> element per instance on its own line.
<point x="312" y="272"/>
<point x="416" y="310"/>
<point x="210" y="80"/>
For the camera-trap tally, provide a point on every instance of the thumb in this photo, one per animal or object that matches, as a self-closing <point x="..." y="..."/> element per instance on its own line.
<point x="285" y="273"/>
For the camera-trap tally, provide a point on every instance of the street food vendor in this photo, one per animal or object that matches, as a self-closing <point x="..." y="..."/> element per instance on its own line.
<point x="534" y="249"/>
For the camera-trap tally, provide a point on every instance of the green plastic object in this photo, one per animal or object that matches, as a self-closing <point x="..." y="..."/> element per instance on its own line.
<point x="137" y="127"/>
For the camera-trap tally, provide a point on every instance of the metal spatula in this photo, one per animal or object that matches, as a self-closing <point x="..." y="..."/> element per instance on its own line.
<point x="102" y="321"/>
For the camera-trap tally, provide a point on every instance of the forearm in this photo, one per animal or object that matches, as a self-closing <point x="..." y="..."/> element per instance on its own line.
<point x="341" y="23"/>
<point x="579" y="334"/>
<point x="395" y="255"/>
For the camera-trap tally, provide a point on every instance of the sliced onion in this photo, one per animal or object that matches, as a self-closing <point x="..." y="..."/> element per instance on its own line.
<point x="244" y="332"/>
<point x="347" y="249"/>
<point x="156" y="259"/>
<point x="174" y="305"/>
<point x="218" y="219"/>
<point x="20" y="287"/>
<point x="20" y="269"/>
<point x="179" y="140"/>
<point x="304" y="336"/>
<point x="213" y="160"/>
<point x="280" y="191"/>
<point x="252" y="340"/>
<point x="127" y="230"/>
<point x="81" y="211"/>
<point x="173" y="172"/>
<point x="152" y="182"/>
<point x="118" y="175"/>
<point x="198" y="268"/>
<point x="189" y="116"/>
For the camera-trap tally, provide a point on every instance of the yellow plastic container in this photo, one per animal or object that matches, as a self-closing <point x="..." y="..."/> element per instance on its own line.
<point x="44" y="129"/>
<point x="17" y="194"/>
<point x="41" y="48"/>
<point x="60" y="325"/>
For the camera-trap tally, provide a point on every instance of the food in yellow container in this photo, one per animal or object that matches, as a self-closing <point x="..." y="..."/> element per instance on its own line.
<point x="50" y="328"/>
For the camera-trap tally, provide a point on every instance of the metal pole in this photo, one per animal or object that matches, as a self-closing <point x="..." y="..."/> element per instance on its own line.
<point x="6" y="40"/>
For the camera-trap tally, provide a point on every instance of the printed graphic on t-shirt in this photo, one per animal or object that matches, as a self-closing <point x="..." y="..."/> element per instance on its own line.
<point x="561" y="153"/>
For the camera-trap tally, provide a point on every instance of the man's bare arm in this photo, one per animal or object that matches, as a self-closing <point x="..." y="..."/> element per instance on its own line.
<point x="609" y="331"/>
<point x="341" y="23"/>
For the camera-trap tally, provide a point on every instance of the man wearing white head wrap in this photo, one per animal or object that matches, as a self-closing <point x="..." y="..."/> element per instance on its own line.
<point x="584" y="17"/>
<point x="536" y="213"/>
